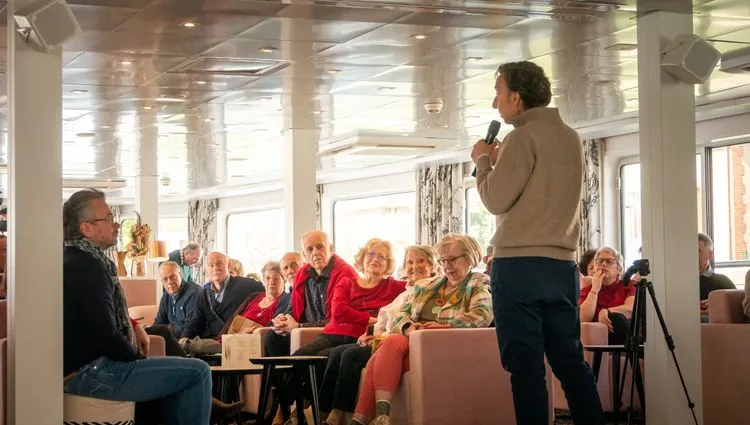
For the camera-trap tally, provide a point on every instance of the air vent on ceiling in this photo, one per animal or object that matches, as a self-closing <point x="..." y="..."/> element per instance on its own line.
<point x="369" y="143"/>
<point x="231" y="66"/>
<point x="736" y="60"/>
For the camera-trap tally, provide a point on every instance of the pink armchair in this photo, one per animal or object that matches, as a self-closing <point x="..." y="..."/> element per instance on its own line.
<point x="725" y="344"/>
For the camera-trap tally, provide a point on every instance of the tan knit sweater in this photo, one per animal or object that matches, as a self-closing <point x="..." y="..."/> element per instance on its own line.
<point x="535" y="188"/>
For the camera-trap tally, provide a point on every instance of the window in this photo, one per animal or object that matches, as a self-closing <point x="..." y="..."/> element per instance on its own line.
<point x="730" y="202"/>
<point x="126" y="225"/>
<point x="388" y="217"/>
<point x="630" y="213"/>
<point x="256" y="237"/>
<point x="173" y="231"/>
<point x="480" y="224"/>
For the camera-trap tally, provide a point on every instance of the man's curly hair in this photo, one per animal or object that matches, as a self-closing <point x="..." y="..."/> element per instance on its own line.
<point x="527" y="79"/>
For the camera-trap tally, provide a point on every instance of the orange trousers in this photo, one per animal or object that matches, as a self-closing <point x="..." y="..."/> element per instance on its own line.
<point x="383" y="372"/>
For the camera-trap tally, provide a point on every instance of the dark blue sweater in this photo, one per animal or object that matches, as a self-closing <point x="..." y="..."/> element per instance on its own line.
<point x="176" y="310"/>
<point x="209" y="315"/>
<point x="89" y="329"/>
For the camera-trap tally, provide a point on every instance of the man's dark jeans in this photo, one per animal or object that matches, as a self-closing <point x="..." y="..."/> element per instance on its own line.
<point x="536" y="313"/>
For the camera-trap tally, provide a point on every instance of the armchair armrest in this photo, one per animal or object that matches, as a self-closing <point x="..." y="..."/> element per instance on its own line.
<point x="156" y="346"/>
<point x="725" y="372"/>
<point x="457" y="377"/>
<point x="594" y="333"/>
<point x="301" y="336"/>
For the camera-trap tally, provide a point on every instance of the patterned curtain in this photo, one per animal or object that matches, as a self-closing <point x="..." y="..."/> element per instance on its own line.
<point x="440" y="202"/>
<point x="319" y="206"/>
<point x="591" y="230"/>
<point x="202" y="229"/>
<point x="116" y="217"/>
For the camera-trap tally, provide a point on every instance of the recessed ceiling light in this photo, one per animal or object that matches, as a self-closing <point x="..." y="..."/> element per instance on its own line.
<point x="237" y="176"/>
<point x="237" y="159"/>
<point x="199" y="82"/>
<point x="79" y="91"/>
<point x="86" y="134"/>
<point x="173" y="157"/>
<point x="126" y="62"/>
<point x="473" y="58"/>
<point x="147" y="108"/>
<point x="188" y="24"/>
<point x="105" y="127"/>
<point x="386" y="88"/>
<point x="265" y="98"/>
<point x="472" y="117"/>
<point x="419" y="36"/>
<point x="208" y="119"/>
<point x="333" y="71"/>
<point x="267" y="49"/>
<point x="317" y="112"/>
<point x="259" y="130"/>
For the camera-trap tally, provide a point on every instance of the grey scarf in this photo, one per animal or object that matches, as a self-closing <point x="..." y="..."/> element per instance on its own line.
<point x="122" y="320"/>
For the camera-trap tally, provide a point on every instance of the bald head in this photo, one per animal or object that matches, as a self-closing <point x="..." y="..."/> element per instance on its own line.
<point x="317" y="249"/>
<point x="290" y="264"/>
<point x="217" y="268"/>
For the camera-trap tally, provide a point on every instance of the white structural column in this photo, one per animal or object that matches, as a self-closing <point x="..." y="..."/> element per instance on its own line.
<point x="670" y="222"/>
<point x="301" y="133"/>
<point x="35" y="330"/>
<point x="147" y="179"/>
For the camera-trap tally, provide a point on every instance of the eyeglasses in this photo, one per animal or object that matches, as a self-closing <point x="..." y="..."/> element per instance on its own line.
<point x="372" y="255"/>
<point x="108" y="219"/>
<point x="606" y="261"/>
<point x="449" y="261"/>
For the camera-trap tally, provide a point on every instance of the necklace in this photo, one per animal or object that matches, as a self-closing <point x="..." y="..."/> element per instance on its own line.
<point x="441" y="301"/>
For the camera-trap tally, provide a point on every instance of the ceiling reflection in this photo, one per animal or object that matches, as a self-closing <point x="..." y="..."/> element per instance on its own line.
<point x="225" y="81"/>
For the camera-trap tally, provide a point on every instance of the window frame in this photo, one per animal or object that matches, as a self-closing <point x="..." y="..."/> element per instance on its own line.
<point x="372" y="195"/>
<point x="244" y="211"/>
<point x="708" y="224"/>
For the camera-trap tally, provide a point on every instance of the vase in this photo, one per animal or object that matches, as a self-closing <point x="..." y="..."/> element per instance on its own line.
<point x="140" y="266"/>
<point x="120" y="259"/>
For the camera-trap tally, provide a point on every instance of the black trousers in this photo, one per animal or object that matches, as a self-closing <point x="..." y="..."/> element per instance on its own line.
<point x="341" y="377"/>
<point x="275" y="345"/>
<point x="535" y="300"/>
<point x="320" y="346"/>
<point x="621" y="327"/>
<point x="171" y="345"/>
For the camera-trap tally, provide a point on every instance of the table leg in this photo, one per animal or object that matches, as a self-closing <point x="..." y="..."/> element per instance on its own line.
<point x="265" y="390"/>
<point x="312" y="380"/>
<point x="597" y="365"/>
<point x="615" y="359"/>
<point x="299" y="380"/>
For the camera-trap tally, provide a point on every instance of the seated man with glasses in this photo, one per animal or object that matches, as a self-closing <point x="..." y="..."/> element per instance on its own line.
<point x="607" y="300"/>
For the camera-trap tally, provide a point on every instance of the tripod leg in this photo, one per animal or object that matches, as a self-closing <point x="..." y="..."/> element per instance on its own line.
<point x="670" y="344"/>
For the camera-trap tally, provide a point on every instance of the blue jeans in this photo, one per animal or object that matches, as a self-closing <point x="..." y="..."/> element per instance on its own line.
<point x="183" y="384"/>
<point x="536" y="313"/>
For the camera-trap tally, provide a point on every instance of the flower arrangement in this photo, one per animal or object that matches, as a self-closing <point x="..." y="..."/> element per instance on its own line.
<point x="139" y="235"/>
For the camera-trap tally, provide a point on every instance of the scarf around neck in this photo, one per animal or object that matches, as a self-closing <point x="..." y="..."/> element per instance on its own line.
<point x="122" y="320"/>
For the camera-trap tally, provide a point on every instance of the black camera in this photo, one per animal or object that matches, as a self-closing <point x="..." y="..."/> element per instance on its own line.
<point x="641" y="267"/>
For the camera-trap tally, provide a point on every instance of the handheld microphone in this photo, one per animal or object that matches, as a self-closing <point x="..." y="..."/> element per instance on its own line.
<point x="492" y="131"/>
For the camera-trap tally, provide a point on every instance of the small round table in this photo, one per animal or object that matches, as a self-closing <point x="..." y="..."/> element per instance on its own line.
<point x="303" y="370"/>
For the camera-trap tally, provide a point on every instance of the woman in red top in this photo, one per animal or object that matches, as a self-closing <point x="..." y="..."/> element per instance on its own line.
<point x="607" y="300"/>
<point x="356" y="303"/>
<point x="262" y="307"/>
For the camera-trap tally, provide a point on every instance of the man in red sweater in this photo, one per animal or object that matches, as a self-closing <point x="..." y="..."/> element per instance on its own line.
<point x="312" y="294"/>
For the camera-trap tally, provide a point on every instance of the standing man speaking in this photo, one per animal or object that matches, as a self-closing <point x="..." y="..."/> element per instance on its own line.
<point x="534" y="188"/>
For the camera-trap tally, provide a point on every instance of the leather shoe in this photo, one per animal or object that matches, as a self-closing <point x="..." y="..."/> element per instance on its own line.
<point x="220" y="410"/>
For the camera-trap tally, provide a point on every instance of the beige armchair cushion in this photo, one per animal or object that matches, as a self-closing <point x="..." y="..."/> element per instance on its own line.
<point x="85" y="410"/>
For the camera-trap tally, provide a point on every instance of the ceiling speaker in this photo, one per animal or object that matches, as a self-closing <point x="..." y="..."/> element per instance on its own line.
<point x="690" y="58"/>
<point x="47" y="24"/>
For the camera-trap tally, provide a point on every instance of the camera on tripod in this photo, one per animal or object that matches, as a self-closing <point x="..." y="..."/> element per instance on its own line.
<point x="641" y="267"/>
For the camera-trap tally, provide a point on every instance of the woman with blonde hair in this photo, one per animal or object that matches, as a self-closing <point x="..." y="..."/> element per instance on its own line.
<point x="460" y="299"/>
<point x="235" y="268"/>
<point x="338" y="391"/>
